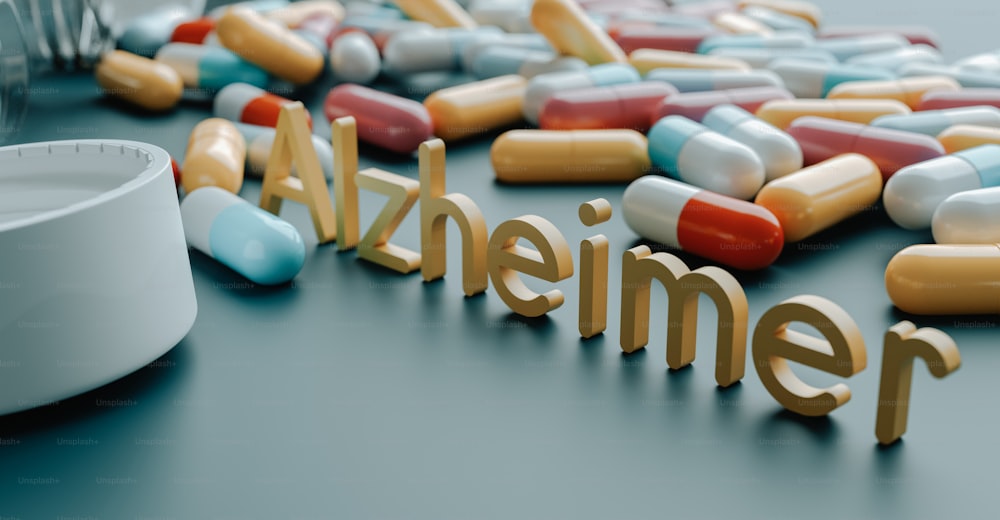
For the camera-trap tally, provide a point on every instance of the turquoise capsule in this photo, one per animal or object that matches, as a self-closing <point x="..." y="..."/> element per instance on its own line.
<point x="811" y="79"/>
<point x="782" y="40"/>
<point x="210" y="68"/>
<point x="254" y="243"/>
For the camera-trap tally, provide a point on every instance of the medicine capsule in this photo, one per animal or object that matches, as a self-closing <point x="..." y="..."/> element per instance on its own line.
<point x="777" y="20"/>
<point x="915" y="34"/>
<point x="210" y="68"/>
<point x="645" y="60"/>
<point x="616" y="106"/>
<point x="194" y="31"/>
<point x="786" y="40"/>
<point x="475" y="108"/>
<point x="569" y="156"/>
<point x="781" y="113"/>
<point x="962" y="137"/>
<point x="810" y="79"/>
<point x="822" y="138"/>
<point x="799" y="9"/>
<point x="909" y="91"/>
<point x="573" y="33"/>
<point x="249" y="104"/>
<point x="945" y="279"/>
<point x="258" y="6"/>
<point x="532" y="41"/>
<point x="933" y="122"/>
<point x="439" y="13"/>
<point x="296" y="13"/>
<point x="895" y="59"/>
<point x="501" y="61"/>
<point x="140" y="81"/>
<point x="820" y="196"/>
<point x="696" y="80"/>
<point x="737" y="23"/>
<point x="216" y="156"/>
<point x="762" y="58"/>
<point x="411" y="52"/>
<point x="269" y="45"/>
<point x="968" y="97"/>
<point x="386" y="120"/>
<point x="681" y="39"/>
<point x="690" y="152"/>
<point x="694" y="105"/>
<point x="779" y="153"/>
<point x="968" y="79"/>
<point x="988" y="62"/>
<point x="850" y="46"/>
<point x="732" y="232"/>
<point x="968" y="217"/>
<point x="254" y="243"/>
<point x="543" y="86"/>
<point x="512" y="17"/>
<point x="354" y="58"/>
<point x="260" y="141"/>
<point x="146" y="33"/>
<point x="913" y="194"/>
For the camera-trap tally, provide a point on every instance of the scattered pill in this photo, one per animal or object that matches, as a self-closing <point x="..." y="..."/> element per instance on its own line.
<point x="439" y="13"/>
<point x="962" y="137"/>
<point x="269" y="45"/>
<point x="945" y="279"/>
<point x="476" y="108"/>
<point x="194" y="31"/>
<point x="354" y="58"/>
<point x="895" y="59"/>
<point x="573" y="33"/>
<point x="210" y="68"/>
<point x="730" y="231"/>
<point x="216" y="156"/>
<point x="386" y="120"/>
<point x="249" y="104"/>
<point x="695" y="80"/>
<point x="694" y="105"/>
<point x="146" y="33"/>
<point x="617" y="106"/>
<point x="968" y="217"/>
<point x="812" y="79"/>
<point x="786" y="40"/>
<point x="782" y="112"/>
<point x="645" y="60"/>
<point x="260" y="141"/>
<point x="500" y="61"/>
<point x="909" y="91"/>
<point x="543" y="86"/>
<point x="569" y="156"/>
<point x="254" y="243"/>
<point x="762" y="58"/>
<point x="933" y="122"/>
<point x="778" y="151"/>
<point x="682" y="39"/>
<point x="966" y="97"/>
<point x="850" y="46"/>
<point x="138" y="80"/>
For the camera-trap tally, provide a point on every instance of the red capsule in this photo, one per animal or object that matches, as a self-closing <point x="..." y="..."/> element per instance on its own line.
<point x="194" y="31"/>
<point x="694" y="105"/>
<point x="386" y="120"/>
<point x="684" y="39"/>
<point x="822" y="138"/>
<point x="967" y="97"/>
<point x="617" y="106"/>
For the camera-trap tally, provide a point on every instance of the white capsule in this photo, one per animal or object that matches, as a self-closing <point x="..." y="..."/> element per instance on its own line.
<point x="985" y="62"/>
<point x="761" y="58"/>
<point x="699" y="80"/>
<point x="411" y="52"/>
<point x="354" y="58"/>
<point x="933" y="122"/>
<point x="968" y="217"/>
<point x="896" y="59"/>
<point x="513" y="16"/>
<point x="474" y="48"/>
<point x="849" y="46"/>
<point x="780" y="152"/>
<point x="542" y="86"/>
<point x="260" y="141"/>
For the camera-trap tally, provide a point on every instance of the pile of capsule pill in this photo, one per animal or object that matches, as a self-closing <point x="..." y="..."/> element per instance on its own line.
<point x="760" y="126"/>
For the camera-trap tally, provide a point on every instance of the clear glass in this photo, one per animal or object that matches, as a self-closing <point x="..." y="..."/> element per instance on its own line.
<point x="43" y="36"/>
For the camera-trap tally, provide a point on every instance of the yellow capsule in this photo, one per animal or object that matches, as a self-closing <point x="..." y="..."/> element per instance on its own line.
<point x="141" y="81"/>
<point x="961" y="137"/>
<point x="781" y="112"/>
<point x="945" y="279"/>
<point x="439" y="13"/>
<point x="645" y="60"/>
<point x="476" y="108"/>
<point x="804" y="10"/>
<point x="569" y="156"/>
<point x="908" y="91"/>
<point x="571" y="32"/>
<point x="815" y="198"/>
<point x="216" y="156"/>
<point x="737" y="23"/>
<point x="295" y="13"/>
<point x="269" y="45"/>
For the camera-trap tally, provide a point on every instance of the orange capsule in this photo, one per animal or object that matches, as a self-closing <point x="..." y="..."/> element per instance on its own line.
<point x="782" y="112"/>
<point x="141" y="81"/>
<point x="269" y="45"/>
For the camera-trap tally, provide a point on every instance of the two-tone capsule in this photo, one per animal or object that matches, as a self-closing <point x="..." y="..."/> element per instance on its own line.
<point x="386" y="120"/>
<point x="210" y="68"/>
<point x="696" y="80"/>
<point x="732" y="232"/>
<point x="617" y="106"/>
<point x="260" y="142"/>
<point x="241" y="236"/>
<point x="812" y="79"/>
<point x="694" y="105"/>
<point x="501" y="61"/>
<point x="569" y="156"/>
<point x="909" y="91"/>
<point x="968" y="217"/>
<point x="779" y="153"/>
<point x="543" y="86"/>
<point x="249" y="104"/>
<point x="933" y="122"/>
<point x="782" y="112"/>
<point x="966" y="97"/>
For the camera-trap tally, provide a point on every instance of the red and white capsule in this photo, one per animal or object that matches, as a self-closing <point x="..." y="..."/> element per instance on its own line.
<point x="732" y="232"/>
<point x="246" y="103"/>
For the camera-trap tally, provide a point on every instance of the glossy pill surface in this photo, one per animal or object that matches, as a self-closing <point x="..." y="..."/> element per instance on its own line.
<point x="269" y="45"/>
<point x="812" y="79"/>
<point x="571" y="32"/>
<point x="690" y="152"/>
<point x="781" y="113"/>
<point x="210" y="68"/>
<point x="216" y="156"/>
<point x="913" y="194"/>
<point x="945" y="279"/>
<point x="249" y="104"/>
<point x="617" y="106"/>
<point x="962" y="137"/>
<point x="439" y="13"/>
<point x="354" y="58"/>
<point x="807" y="11"/>
<point x="241" y="236"/>
<point x="909" y="91"/>
<point x="933" y="122"/>
<point x="849" y="46"/>
<point x="696" y="80"/>
<point x="729" y="231"/>
<point x="140" y="81"/>
<point x="968" y="217"/>
<point x="763" y="58"/>
<point x="645" y="60"/>
<point x="818" y="197"/>
<point x="476" y="108"/>
<point x="500" y="61"/>
<point x="146" y="33"/>
<point x="779" y="153"/>
<point x="260" y="141"/>
<point x="569" y="156"/>
<point x="784" y="40"/>
<point x="822" y="138"/>
<point x="194" y="31"/>
<point x="386" y="120"/>
<point x="694" y="105"/>
<point x="683" y="39"/>
<point x="543" y="86"/>
<point x="895" y="59"/>
<point x="968" y="79"/>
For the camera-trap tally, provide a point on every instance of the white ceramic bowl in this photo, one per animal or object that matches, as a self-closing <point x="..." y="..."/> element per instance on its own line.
<point x="95" y="280"/>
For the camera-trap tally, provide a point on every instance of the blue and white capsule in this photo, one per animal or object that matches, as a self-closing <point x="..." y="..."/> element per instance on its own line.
<point x="849" y="46"/>
<point x="501" y="61"/>
<point x="968" y="217"/>
<point x="689" y="151"/>
<point x="964" y="77"/>
<point x="254" y="243"/>
<point x="933" y="122"/>
<point x="260" y="142"/>
<point x="810" y="79"/>
<point x="762" y="58"/>
<point x="541" y="87"/>
<point x="700" y="80"/>
<point x="896" y="59"/>
<point x="210" y="68"/>
<point x="779" y="152"/>
<point x="913" y="194"/>
<point x="779" y="40"/>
